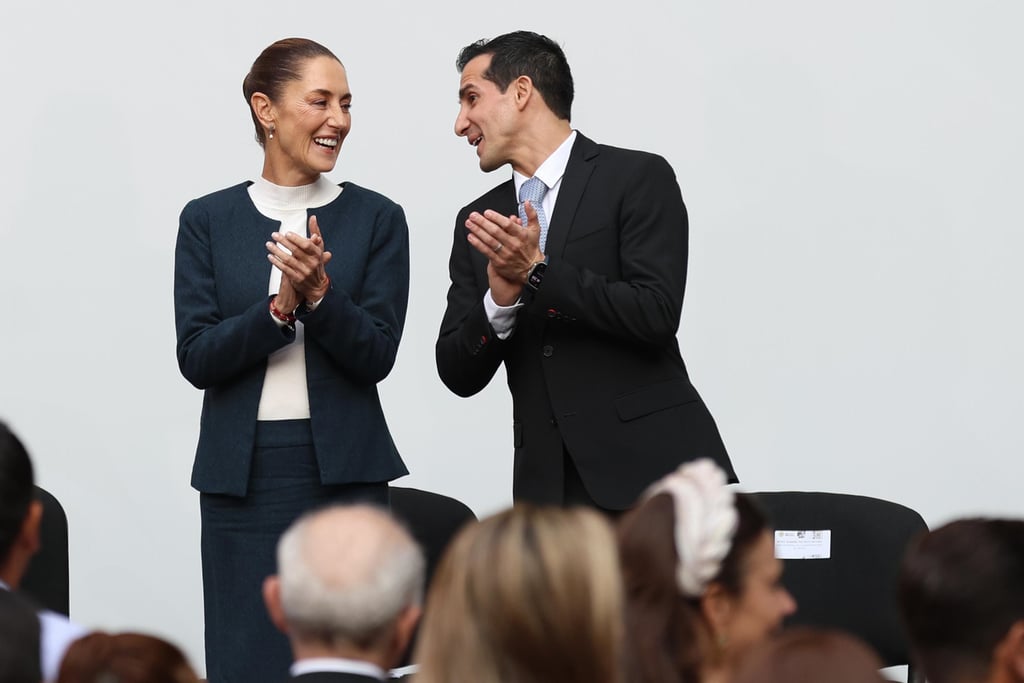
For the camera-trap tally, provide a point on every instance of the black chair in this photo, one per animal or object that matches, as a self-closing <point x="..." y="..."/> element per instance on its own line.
<point x="433" y="519"/>
<point x="854" y="589"/>
<point x="47" y="579"/>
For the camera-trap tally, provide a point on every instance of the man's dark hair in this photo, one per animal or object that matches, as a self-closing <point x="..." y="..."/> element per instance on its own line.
<point x="16" y="489"/>
<point x="524" y="53"/>
<point x="961" y="589"/>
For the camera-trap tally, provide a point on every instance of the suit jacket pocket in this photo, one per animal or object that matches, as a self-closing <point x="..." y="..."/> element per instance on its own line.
<point x="585" y="230"/>
<point x="655" y="397"/>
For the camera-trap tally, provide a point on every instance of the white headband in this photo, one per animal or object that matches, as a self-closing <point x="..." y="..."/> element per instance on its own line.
<point x="705" y="521"/>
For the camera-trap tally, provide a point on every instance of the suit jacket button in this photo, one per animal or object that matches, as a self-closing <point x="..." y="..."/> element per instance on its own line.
<point x="548" y="350"/>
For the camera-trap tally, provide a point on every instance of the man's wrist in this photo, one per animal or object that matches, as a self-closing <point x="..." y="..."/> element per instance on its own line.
<point x="538" y="258"/>
<point x="535" y="275"/>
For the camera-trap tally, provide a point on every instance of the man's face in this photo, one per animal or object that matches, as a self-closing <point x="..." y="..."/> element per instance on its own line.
<point x="488" y="118"/>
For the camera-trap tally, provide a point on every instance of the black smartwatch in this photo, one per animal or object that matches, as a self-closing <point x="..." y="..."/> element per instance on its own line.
<point x="536" y="274"/>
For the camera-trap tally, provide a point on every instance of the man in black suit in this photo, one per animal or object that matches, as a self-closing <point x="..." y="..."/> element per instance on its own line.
<point x="347" y="594"/>
<point x="21" y="516"/>
<point x="584" y="316"/>
<point x="19" y="640"/>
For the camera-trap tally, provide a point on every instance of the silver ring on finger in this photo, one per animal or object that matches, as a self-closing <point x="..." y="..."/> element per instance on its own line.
<point x="498" y="248"/>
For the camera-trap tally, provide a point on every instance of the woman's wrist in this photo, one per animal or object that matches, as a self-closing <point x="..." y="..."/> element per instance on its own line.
<point x="315" y="296"/>
<point x="287" y="316"/>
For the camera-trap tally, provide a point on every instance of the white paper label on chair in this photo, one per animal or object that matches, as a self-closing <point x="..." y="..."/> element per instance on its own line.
<point x="803" y="545"/>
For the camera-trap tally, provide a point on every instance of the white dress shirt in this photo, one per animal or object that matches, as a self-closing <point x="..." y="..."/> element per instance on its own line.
<point x="337" y="665"/>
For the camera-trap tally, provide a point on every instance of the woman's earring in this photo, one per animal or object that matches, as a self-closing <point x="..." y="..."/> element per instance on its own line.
<point x="272" y="129"/>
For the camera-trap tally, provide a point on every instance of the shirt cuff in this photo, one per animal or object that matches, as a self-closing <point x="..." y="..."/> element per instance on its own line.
<point x="277" y="321"/>
<point x="311" y="305"/>
<point x="502" y="318"/>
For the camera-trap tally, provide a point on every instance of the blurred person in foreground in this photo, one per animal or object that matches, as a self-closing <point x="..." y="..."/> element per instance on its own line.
<point x="802" y="655"/>
<point x="701" y="579"/>
<point x="347" y="593"/>
<point x="20" y="519"/>
<point x="530" y="594"/>
<point x="125" y="658"/>
<point x="290" y="296"/>
<point x="961" y="596"/>
<point x="19" y="640"/>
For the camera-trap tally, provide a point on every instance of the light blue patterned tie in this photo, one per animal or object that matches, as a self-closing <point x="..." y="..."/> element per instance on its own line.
<point x="533" y="190"/>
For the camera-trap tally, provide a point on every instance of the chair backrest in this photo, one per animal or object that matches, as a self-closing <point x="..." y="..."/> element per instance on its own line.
<point x="47" y="580"/>
<point x="854" y="588"/>
<point x="433" y="519"/>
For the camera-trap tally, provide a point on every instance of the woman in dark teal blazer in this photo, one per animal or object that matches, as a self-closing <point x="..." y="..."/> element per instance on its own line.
<point x="290" y="295"/>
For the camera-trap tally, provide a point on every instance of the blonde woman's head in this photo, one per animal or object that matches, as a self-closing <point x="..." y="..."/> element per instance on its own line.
<point x="532" y="593"/>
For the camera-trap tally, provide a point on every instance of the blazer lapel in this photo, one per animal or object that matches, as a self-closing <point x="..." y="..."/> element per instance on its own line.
<point x="245" y="271"/>
<point x="582" y="160"/>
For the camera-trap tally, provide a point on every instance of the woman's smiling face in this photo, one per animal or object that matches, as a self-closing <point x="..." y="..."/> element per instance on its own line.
<point x="310" y="121"/>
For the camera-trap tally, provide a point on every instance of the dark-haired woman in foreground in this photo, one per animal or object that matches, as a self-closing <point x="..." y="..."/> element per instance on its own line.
<point x="290" y="295"/>
<point x="803" y="655"/>
<point x="124" y="658"/>
<point x="702" y="582"/>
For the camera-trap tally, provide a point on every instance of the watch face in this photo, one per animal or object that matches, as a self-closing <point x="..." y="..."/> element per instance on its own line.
<point x="536" y="274"/>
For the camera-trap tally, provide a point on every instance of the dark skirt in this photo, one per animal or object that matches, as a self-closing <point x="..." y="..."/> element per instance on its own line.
<point x="239" y="544"/>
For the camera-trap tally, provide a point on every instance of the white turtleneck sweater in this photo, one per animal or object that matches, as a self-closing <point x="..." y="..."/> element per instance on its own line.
<point x="285" y="396"/>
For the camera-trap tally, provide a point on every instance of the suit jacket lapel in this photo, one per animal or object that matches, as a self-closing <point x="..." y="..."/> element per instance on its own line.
<point x="582" y="160"/>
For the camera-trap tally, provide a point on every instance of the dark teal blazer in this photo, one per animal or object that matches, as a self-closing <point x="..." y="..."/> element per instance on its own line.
<point x="225" y="332"/>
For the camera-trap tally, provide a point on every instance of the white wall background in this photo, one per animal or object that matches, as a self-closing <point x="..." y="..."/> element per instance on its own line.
<point x="853" y="174"/>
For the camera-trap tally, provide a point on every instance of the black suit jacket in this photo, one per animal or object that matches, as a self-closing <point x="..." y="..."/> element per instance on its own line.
<point x="333" y="677"/>
<point x="593" y="363"/>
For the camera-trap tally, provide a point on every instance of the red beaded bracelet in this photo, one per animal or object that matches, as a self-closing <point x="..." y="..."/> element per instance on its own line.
<point x="288" y="318"/>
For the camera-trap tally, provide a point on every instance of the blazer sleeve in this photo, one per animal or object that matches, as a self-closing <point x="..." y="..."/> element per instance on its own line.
<point x="644" y="304"/>
<point x="361" y="337"/>
<point x="212" y="347"/>
<point x="467" y="352"/>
